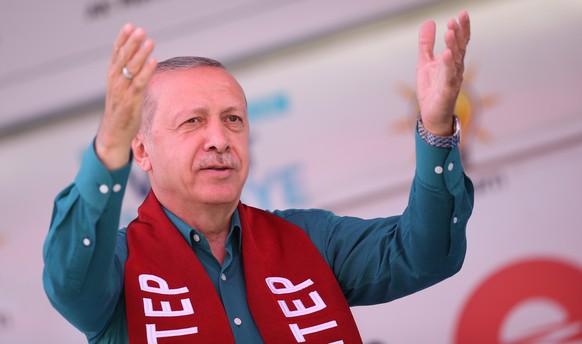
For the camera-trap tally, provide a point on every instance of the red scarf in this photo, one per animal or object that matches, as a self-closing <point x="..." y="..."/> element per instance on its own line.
<point x="292" y="293"/>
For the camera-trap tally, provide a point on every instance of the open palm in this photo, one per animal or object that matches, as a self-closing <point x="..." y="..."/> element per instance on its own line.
<point x="439" y="77"/>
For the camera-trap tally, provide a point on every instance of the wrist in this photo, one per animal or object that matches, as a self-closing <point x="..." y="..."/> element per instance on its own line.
<point x="446" y="128"/>
<point x="112" y="156"/>
<point x="442" y="141"/>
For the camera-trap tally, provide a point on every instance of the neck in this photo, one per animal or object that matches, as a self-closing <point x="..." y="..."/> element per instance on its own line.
<point x="212" y="220"/>
<point x="214" y="224"/>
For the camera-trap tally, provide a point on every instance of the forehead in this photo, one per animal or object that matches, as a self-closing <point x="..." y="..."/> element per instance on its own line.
<point x="199" y="84"/>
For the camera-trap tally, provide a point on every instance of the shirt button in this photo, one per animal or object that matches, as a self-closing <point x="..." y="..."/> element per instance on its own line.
<point x="451" y="166"/>
<point x="116" y="188"/>
<point x="223" y="277"/>
<point x="196" y="237"/>
<point x="237" y="321"/>
<point x="86" y="242"/>
<point x="438" y="170"/>
<point x="103" y="188"/>
<point x="455" y="219"/>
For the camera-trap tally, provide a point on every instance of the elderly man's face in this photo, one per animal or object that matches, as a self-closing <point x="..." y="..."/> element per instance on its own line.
<point x="199" y="148"/>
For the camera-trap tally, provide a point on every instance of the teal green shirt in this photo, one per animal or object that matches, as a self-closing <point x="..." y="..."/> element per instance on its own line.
<point x="374" y="260"/>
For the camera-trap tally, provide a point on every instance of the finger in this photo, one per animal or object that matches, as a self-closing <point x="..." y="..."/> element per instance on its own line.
<point x="453" y="74"/>
<point x="122" y="37"/>
<point x="146" y="72"/>
<point x="426" y="38"/>
<point x="465" y="24"/>
<point x="135" y="64"/>
<point x="456" y="56"/>
<point x="462" y="30"/>
<point x="128" y="49"/>
<point x="455" y="40"/>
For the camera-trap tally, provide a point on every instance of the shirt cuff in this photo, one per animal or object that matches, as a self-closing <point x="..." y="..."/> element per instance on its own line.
<point x="438" y="168"/>
<point x="97" y="184"/>
<point x="440" y="141"/>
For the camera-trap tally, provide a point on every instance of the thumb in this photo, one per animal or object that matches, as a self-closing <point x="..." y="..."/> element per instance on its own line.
<point x="426" y="39"/>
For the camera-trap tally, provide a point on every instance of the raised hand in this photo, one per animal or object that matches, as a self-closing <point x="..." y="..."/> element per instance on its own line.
<point x="130" y="69"/>
<point x="439" y="77"/>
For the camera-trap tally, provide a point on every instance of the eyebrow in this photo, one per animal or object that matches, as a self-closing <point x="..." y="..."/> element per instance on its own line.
<point x="178" y="115"/>
<point x="234" y="108"/>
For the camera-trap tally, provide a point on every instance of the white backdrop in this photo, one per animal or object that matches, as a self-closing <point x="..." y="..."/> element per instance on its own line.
<point x="68" y="42"/>
<point x="332" y="127"/>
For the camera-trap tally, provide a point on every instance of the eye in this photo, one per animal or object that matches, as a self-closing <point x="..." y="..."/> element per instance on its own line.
<point x="234" y="118"/>
<point x="234" y="122"/>
<point x="193" y="120"/>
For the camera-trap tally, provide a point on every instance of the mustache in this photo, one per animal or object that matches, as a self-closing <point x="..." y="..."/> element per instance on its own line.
<point x="218" y="160"/>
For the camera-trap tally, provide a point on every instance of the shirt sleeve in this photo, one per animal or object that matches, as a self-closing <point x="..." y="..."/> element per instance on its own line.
<point x="379" y="260"/>
<point x="82" y="275"/>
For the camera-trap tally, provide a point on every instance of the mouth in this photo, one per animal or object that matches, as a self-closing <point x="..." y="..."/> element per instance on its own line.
<point x="217" y="168"/>
<point x="221" y="165"/>
<point x="219" y="172"/>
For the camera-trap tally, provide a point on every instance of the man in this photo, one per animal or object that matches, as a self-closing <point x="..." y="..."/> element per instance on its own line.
<point x="198" y="266"/>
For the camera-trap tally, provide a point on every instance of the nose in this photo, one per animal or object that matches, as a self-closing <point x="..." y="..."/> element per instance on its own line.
<point x="216" y="137"/>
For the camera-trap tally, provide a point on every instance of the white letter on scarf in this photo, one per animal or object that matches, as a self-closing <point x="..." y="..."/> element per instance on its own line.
<point x="288" y="288"/>
<point x="162" y="288"/>
<point x="301" y="309"/>
<point x="300" y="332"/>
<point x="153" y="335"/>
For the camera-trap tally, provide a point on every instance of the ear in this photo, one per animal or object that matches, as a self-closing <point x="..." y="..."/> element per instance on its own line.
<point x="140" y="154"/>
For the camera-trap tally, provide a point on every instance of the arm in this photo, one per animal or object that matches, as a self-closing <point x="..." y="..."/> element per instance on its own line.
<point x="379" y="260"/>
<point x="83" y="270"/>
<point x="401" y="255"/>
<point x="83" y="255"/>
<point x="382" y="259"/>
<point x="427" y="243"/>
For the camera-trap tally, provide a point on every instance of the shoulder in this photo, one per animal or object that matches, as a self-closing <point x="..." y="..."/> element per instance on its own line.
<point x="306" y="217"/>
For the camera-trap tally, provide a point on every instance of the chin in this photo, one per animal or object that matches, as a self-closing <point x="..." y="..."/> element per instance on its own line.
<point x="220" y="198"/>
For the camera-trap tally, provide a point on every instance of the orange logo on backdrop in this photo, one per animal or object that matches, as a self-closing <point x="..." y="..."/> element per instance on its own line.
<point x="468" y="108"/>
<point x="534" y="301"/>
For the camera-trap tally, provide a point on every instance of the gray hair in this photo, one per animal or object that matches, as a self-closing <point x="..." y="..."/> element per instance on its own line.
<point x="173" y="64"/>
<point x="187" y="62"/>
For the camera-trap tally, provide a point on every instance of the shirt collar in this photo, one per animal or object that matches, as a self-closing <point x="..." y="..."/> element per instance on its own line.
<point x="234" y="235"/>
